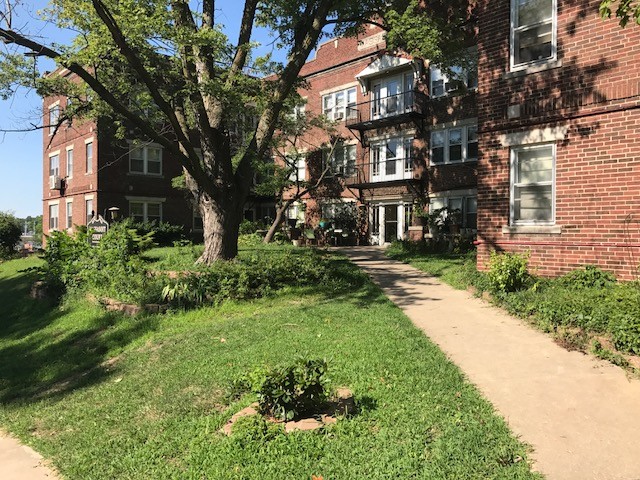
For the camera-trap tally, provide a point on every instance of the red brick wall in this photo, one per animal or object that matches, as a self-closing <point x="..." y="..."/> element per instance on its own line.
<point x="594" y="94"/>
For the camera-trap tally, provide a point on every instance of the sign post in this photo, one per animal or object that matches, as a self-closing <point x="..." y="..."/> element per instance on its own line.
<point x="98" y="226"/>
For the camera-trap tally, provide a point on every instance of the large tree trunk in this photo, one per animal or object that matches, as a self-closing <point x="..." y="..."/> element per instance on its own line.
<point x="221" y="222"/>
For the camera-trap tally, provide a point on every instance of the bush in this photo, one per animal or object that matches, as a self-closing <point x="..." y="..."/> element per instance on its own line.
<point x="9" y="234"/>
<point x="291" y="392"/>
<point x="164" y="234"/>
<point x="626" y="333"/>
<point x="590" y="277"/>
<point x="508" y="272"/>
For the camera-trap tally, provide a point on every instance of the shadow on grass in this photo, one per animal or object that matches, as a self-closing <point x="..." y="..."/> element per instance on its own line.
<point x="47" y="352"/>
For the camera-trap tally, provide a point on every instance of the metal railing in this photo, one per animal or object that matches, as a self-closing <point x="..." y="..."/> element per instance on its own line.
<point x="381" y="108"/>
<point x="383" y="171"/>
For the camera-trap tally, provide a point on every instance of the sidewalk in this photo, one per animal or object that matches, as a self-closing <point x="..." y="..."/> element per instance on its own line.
<point x="581" y="415"/>
<point x="19" y="462"/>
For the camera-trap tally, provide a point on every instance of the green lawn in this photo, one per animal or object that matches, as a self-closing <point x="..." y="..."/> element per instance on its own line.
<point x="106" y="396"/>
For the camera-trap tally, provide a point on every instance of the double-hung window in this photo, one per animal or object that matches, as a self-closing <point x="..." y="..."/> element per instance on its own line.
<point x="54" y="165"/>
<point x="88" y="147"/>
<point x="69" y="162"/>
<point x="466" y="205"/>
<point x="88" y="209"/>
<point x="343" y="160"/>
<point x="532" y="184"/>
<point x="69" y="214"/>
<point x="454" y="145"/>
<point x="54" y="117"/>
<point x="459" y="78"/>
<point x="146" y="160"/>
<point x="533" y="32"/>
<point x="145" y="211"/>
<point x="53" y="216"/>
<point x="298" y="168"/>
<point x="340" y="105"/>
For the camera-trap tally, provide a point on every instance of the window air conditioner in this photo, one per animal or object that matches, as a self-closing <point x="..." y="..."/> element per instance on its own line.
<point x="55" y="182"/>
<point x="338" y="115"/>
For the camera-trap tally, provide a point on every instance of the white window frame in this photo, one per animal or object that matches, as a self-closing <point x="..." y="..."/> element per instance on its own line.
<point x="378" y="157"/>
<point x="461" y="197"/>
<point x="144" y="149"/>
<point x="515" y="29"/>
<point x="465" y="144"/>
<point x="54" y="117"/>
<point x="69" y="156"/>
<point x="450" y="85"/>
<point x="54" y="221"/>
<point x="54" y="171"/>
<point x="512" y="184"/>
<point x="298" y="167"/>
<point x="88" y="160"/>
<point x="87" y="212"/>
<point x="347" y="110"/>
<point x="404" y="98"/>
<point x="145" y="207"/>
<point x="69" y="214"/>
<point x="346" y="165"/>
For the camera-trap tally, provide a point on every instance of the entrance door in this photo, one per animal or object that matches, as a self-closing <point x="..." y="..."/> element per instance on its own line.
<point x="390" y="223"/>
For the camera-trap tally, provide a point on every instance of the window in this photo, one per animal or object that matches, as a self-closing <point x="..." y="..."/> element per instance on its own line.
<point x="296" y="211"/>
<point x="89" y="156"/>
<point x="459" y="78"/>
<point x="69" y="162"/>
<point x="533" y="31"/>
<point x="53" y="216"/>
<point x="54" y="165"/>
<point x="198" y="225"/>
<point x="391" y="159"/>
<point x="299" y="168"/>
<point x="54" y="116"/>
<point x="392" y="96"/>
<point x="467" y="205"/>
<point x="343" y="160"/>
<point x="146" y="160"/>
<point x="69" y="214"/>
<point x="340" y="105"/>
<point x="408" y="214"/>
<point x="145" y="211"/>
<point x="88" y="208"/>
<point x="454" y="145"/>
<point x="532" y="184"/>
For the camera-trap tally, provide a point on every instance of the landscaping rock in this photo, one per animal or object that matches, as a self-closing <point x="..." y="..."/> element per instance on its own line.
<point x="306" y="424"/>
<point x="245" y="412"/>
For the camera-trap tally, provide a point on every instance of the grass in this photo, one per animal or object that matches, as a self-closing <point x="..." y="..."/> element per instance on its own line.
<point x="579" y="315"/>
<point x="106" y="396"/>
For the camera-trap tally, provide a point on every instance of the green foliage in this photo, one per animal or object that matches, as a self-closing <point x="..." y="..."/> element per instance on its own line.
<point x="9" y="234"/>
<point x="163" y="233"/>
<point x="508" y="272"/>
<point x="256" y="276"/>
<point x="590" y="277"/>
<point x="627" y="10"/>
<point x="626" y="332"/>
<point x="65" y="259"/>
<point x="294" y="391"/>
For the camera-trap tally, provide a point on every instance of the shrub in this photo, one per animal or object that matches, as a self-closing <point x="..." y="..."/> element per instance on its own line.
<point x="293" y="391"/>
<point x="65" y="259"/>
<point x="164" y="234"/>
<point x="590" y="277"/>
<point x="9" y="234"/>
<point x="508" y="272"/>
<point x="626" y="333"/>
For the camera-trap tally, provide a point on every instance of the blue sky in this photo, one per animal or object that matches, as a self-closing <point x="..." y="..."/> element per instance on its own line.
<point x="21" y="153"/>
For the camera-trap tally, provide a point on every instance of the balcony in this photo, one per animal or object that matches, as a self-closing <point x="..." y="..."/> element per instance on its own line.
<point x="385" y="171"/>
<point x="384" y="111"/>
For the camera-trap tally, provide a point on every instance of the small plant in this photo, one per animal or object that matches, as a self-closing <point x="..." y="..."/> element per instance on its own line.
<point x="293" y="391"/>
<point x="626" y="334"/>
<point x="590" y="277"/>
<point x="508" y="272"/>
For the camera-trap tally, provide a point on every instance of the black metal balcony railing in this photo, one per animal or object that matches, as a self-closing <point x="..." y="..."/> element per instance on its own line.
<point x="388" y="170"/>
<point x="381" y="111"/>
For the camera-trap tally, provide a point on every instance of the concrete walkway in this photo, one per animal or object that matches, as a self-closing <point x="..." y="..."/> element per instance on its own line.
<point x="19" y="462"/>
<point x="580" y="414"/>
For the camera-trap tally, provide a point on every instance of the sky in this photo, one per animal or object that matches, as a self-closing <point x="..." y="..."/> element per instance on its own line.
<point x="21" y="152"/>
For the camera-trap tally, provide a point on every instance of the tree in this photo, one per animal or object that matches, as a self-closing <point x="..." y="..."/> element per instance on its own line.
<point x="9" y="234"/>
<point x="167" y="71"/>
<point x="131" y="54"/>
<point x="625" y="11"/>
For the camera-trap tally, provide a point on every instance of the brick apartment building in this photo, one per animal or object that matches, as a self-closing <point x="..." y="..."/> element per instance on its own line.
<point x="87" y="171"/>
<point x="409" y="137"/>
<point x="559" y="119"/>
